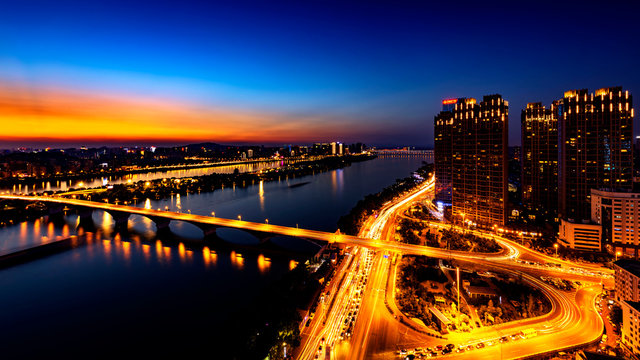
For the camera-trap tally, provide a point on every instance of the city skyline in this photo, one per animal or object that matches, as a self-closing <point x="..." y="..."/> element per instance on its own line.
<point x="280" y="73"/>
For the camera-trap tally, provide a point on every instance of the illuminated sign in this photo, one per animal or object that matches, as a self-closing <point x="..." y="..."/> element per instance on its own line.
<point x="449" y="101"/>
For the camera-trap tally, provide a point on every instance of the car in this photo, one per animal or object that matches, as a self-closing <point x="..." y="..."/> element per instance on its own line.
<point x="460" y="350"/>
<point x="469" y="347"/>
<point x="418" y="349"/>
<point x="490" y="343"/>
<point x="403" y="351"/>
<point x="480" y="345"/>
<point x="504" y="339"/>
<point x="450" y="346"/>
<point x="438" y="348"/>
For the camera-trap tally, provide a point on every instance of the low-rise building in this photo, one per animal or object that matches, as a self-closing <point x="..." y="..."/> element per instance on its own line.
<point x="619" y="214"/>
<point x="481" y="291"/>
<point x="580" y="236"/>
<point x="630" y="332"/>
<point x="627" y="278"/>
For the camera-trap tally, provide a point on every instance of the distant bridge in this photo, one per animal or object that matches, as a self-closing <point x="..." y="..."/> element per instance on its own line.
<point x="405" y="152"/>
<point x="263" y="231"/>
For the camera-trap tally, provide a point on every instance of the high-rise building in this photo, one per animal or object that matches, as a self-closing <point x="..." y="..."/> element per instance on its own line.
<point x="443" y="157"/>
<point x="540" y="159"/>
<point x="477" y="134"/>
<point x="595" y="146"/>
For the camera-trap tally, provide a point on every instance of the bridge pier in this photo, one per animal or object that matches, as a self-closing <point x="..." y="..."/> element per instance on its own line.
<point x="86" y="218"/>
<point x="56" y="212"/>
<point x="121" y="220"/>
<point x="85" y="213"/>
<point x="207" y="230"/>
<point x="162" y="225"/>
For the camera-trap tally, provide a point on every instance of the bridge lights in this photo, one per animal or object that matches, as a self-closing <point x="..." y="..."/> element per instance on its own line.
<point x="266" y="221"/>
<point x="213" y="213"/>
<point x="618" y="253"/>
<point x="239" y="217"/>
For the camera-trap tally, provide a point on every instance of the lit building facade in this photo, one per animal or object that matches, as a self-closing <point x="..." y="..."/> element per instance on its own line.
<point x="630" y="332"/>
<point x="580" y="236"/>
<point x="619" y="214"/>
<point x="595" y="146"/>
<point x="627" y="278"/>
<point x="442" y="154"/>
<point x="479" y="160"/>
<point x="539" y="158"/>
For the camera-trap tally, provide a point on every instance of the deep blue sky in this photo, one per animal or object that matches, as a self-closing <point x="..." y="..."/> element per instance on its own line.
<point x="377" y="69"/>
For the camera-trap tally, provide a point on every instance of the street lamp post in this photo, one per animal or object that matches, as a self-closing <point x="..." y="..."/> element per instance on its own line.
<point x="240" y="217"/>
<point x="266" y="221"/>
<point x="213" y="213"/>
<point x="618" y="253"/>
<point x="556" y="246"/>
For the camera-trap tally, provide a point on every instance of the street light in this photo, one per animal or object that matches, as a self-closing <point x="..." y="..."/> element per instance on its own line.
<point x="266" y="221"/>
<point x="213" y="213"/>
<point x="556" y="246"/>
<point x="240" y="217"/>
<point x="618" y="253"/>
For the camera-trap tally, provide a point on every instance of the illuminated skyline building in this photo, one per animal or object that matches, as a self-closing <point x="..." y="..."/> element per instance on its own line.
<point x="539" y="127"/>
<point x="477" y="136"/>
<point x="443" y="156"/>
<point x="595" y="145"/>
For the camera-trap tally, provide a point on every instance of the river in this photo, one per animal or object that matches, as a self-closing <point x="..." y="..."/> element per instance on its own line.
<point x="136" y="295"/>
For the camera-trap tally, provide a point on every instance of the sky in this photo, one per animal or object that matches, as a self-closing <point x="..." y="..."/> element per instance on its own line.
<point x="275" y="72"/>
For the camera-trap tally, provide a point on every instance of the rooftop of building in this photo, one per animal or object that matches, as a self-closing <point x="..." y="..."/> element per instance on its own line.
<point x="633" y="304"/>
<point x="590" y="355"/>
<point x="632" y="266"/>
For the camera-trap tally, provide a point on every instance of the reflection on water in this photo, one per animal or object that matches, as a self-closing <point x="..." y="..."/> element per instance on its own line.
<point x="337" y="181"/>
<point x="264" y="263"/>
<point x="261" y="194"/>
<point x="237" y="260"/>
<point x="210" y="257"/>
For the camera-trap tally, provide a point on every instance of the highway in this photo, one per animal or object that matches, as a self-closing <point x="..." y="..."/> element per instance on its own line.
<point x="379" y="331"/>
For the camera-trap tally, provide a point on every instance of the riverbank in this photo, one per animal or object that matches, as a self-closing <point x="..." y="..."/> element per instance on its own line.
<point x="352" y="222"/>
<point x="132" y="170"/>
<point x="12" y="212"/>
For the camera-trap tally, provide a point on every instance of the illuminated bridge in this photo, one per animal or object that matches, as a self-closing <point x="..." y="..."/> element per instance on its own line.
<point x="262" y="231"/>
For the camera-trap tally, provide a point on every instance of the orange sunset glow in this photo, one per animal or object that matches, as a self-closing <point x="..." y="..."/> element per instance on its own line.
<point x="47" y="114"/>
